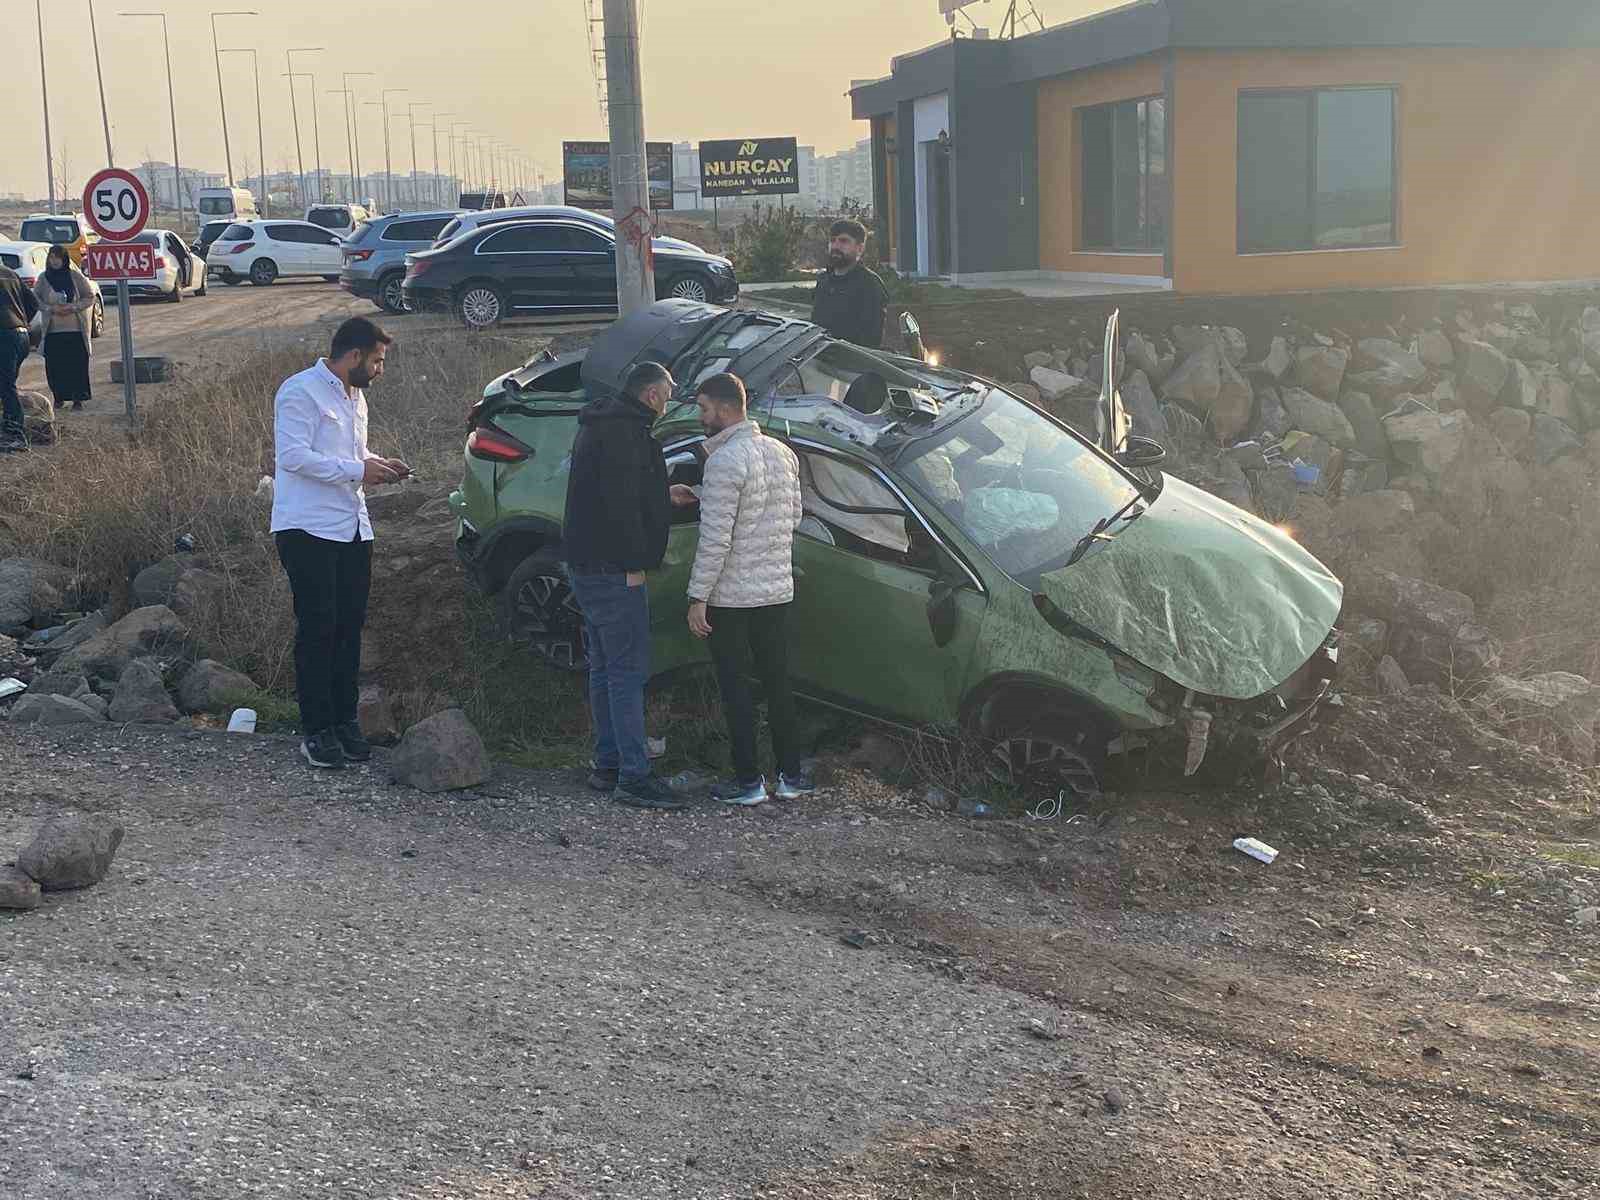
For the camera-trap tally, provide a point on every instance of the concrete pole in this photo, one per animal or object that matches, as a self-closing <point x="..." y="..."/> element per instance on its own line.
<point x="105" y="117"/>
<point x="44" y="89"/>
<point x="630" y="181"/>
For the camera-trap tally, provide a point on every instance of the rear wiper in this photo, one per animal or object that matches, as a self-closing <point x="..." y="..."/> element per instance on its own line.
<point x="1098" y="533"/>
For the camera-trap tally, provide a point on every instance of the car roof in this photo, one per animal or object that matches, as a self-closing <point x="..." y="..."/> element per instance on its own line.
<point x="417" y="216"/>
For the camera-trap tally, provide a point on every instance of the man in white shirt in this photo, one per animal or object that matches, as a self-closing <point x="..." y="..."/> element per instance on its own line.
<point x="319" y="520"/>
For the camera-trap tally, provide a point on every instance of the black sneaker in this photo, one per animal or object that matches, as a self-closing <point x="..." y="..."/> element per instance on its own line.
<point x="355" y="746"/>
<point x="322" y="749"/>
<point x="792" y="787"/>
<point x="12" y="444"/>
<point x="603" y="779"/>
<point x="647" y="792"/>
<point x="740" y="793"/>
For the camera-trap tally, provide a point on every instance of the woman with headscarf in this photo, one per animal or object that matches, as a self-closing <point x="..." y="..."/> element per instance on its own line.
<point x="66" y="305"/>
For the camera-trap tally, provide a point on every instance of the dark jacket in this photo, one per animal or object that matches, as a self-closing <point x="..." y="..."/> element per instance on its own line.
<point x="618" y="511"/>
<point x="850" y="306"/>
<point x="17" y="304"/>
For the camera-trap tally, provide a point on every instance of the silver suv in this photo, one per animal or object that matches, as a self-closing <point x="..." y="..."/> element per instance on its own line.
<point x="375" y="255"/>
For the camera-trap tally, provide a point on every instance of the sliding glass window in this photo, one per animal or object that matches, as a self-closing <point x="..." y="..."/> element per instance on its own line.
<point x="1124" y="176"/>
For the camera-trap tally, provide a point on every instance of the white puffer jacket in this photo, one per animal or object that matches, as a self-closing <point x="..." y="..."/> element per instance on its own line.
<point x="749" y="509"/>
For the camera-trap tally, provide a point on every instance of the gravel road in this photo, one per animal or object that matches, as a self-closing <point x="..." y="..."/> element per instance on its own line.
<point x="296" y="985"/>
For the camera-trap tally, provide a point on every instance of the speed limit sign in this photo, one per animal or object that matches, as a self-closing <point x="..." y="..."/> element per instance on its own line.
<point x="116" y="204"/>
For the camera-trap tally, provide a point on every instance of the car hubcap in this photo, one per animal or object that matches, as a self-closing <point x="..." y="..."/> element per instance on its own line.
<point x="548" y="616"/>
<point x="689" y="289"/>
<point x="393" y="296"/>
<point x="1040" y="764"/>
<point x="480" y="306"/>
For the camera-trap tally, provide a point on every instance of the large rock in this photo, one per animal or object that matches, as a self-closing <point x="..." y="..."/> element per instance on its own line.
<point x="38" y="417"/>
<point x="1435" y="350"/>
<point x="175" y="581"/>
<point x="1142" y="355"/>
<point x="1552" y="439"/>
<point x="1522" y="387"/>
<point x="143" y="633"/>
<point x="1271" y="416"/>
<point x="1278" y="360"/>
<point x="1513" y="427"/>
<point x="1144" y="410"/>
<point x="1401" y="600"/>
<point x="1446" y="661"/>
<point x="210" y="687"/>
<point x="141" y="697"/>
<point x="441" y="754"/>
<point x="1037" y="358"/>
<point x="1058" y="385"/>
<point x="1318" y="416"/>
<point x="53" y="711"/>
<point x="1555" y="702"/>
<point x="1367" y="636"/>
<point x="1228" y="340"/>
<point x="1320" y="370"/>
<point x="18" y="890"/>
<point x="1362" y="414"/>
<point x="1481" y="375"/>
<point x="1556" y="397"/>
<point x="1390" y="368"/>
<point x="1391" y="678"/>
<point x="1374" y="513"/>
<point x="31" y="592"/>
<point x="158" y="583"/>
<point x="71" y="852"/>
<point x="1426" y="440"/>
<point x="1197" y="379"/>
<point x="75" y="635"/>
<point x="60" y="683"/>
<point x="1236" y="400"/>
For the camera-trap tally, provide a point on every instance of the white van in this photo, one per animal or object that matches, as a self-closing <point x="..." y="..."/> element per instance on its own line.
<point x="222" y="203"/>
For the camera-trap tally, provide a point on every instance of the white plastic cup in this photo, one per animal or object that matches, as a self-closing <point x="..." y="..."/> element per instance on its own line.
<point x="242" y="721"/>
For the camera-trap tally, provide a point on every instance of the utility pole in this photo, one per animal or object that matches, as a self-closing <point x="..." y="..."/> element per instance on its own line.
<point x="294" y="110"/>
<point x="105" y="118"/>
<point x="411" y="113"/>
<point x="455" y="172"/>
<point x="438" y="180"/>
<point x="222" y="103"/>
<point x="261" y="151"/>
<point x="316" y="128"/>
<point x="388" y="161"/>
<point x="172" y="109"/>
<point x="630" y="181"/>
<point x="354" y="117"/>
<point x="44" y="89"/>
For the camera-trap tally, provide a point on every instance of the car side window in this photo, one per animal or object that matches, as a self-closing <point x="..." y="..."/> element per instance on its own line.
<point x="586" y="241"/>
<point x="846" y="506"/>
<point x="525" y="239"/>
<point x="284" y="233"/>
<point x="686" y="465"/>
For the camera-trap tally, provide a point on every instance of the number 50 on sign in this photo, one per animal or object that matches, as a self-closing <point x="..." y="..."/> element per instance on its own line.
<point x="116" y="204"/>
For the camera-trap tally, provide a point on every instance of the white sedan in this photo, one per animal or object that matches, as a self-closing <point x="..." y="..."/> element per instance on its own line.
<point x="265" y="251"/>
<point x="179" y="269"/>
<point x="27" y="260"/>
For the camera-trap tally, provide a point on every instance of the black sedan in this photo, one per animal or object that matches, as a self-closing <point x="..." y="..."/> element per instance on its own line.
<point x="548" y="267"/>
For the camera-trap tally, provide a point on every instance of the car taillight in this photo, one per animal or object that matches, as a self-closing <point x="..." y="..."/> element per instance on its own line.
<point x="239" y="247"/>
<point x="495" y="445"/>
<point x="413" y="269"/>
<point x="357" y="255"/>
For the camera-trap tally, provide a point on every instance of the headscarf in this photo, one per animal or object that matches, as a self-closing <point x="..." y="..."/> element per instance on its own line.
<point x="61" y="277"/>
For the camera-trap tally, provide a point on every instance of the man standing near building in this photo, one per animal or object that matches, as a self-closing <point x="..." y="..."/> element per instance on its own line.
<point x="743" y="582"/>
<point x="17" y="307"/>
<point x="319" y="520"/>
<point x="850" y="297"/>
<point x="617" y="520"/>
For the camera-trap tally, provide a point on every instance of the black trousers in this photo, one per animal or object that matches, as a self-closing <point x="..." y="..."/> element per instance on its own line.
<point x="330" y="581"/>
<point x="758" y="637"/>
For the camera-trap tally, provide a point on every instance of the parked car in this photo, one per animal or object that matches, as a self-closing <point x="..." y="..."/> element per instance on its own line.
<point x="341" y="218"/>
<point x="209" y="233"/>
<point x="477" y="200"/>
<point x="375" y="255"/>
<point x="466" y="222"/>
<point x="264" y="251"/>
<point x="27" y="260"/>
<point x="59" y="229"/>
<point x="965" y="559"/>
<point x="178" y="268"/>
<point x="234" y="203"/>
<point x="546" y="267"/>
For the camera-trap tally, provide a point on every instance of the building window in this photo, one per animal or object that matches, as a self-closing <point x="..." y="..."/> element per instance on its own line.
<point x="1125" y="175"/>
<point x="1316" y="169"/>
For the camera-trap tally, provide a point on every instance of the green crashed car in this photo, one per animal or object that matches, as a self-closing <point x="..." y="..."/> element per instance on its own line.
<point x="965" y="559"/>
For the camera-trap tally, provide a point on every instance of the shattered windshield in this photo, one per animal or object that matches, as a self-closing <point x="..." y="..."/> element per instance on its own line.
<point x="1019" y="485"/>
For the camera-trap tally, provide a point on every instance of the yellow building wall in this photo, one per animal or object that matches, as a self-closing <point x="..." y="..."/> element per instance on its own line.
<point x="1060" y="161"/>
<point x="1499" y="168"/>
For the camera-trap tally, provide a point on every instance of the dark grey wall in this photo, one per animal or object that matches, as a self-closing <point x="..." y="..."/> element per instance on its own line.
<point x="993" y="124"/>
<point x="1317" y="23"/>
<point x="906" y="184"/>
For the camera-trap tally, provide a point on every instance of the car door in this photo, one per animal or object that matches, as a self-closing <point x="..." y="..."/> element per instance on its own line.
<point x="869" y="574"/>
<point x="594" y="266"/>
<point x="181" y="259"/>
<point x="671" y="644"/>
<point x="288" y="249"/>
<point x="324" y="250"/>
<point x="530" y="264"/>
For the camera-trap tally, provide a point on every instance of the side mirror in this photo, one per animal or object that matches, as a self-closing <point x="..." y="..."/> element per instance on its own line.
<point x="942" y="611"/>
<point x="1142" y="453"/>
<point x="911" y="337"/>
<point x="909" y="326"/>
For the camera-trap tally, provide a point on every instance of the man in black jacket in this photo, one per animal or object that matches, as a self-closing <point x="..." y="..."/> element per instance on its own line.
<point x="850" y="298"/>
<point x="17" y="307"/>
<point x="618" y="515"/>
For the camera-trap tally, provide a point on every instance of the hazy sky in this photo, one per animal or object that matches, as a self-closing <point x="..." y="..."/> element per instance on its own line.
<point x="519" y="71"/>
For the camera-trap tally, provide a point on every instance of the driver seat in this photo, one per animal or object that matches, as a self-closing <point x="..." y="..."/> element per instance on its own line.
<point x="867" y="393"/>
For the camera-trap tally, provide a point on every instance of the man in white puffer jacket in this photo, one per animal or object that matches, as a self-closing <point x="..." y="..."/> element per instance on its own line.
<point x="743" y="582"/>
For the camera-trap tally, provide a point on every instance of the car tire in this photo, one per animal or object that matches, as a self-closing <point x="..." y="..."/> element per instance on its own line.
<point x="539" y="610"/>
<point x="97" y="323"/>
<point x="480" y="306"/>
<point x="204" y="283"/>
<point x="263" y="272"/>
<point x="232" y="280"/>
<point x="689" y="287"/>
<point x="177" y="292"/>
<point x="1052" y="754"/>
<point x="391" y="292"/>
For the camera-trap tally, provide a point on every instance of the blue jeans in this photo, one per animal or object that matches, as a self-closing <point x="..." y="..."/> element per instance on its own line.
<point x="616" y="620"/>
<point x="13" y="349"/>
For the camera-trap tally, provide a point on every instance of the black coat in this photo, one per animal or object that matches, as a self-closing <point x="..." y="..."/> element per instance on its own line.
<point x="618" y="510"/>
<point x="17" y="305"/>
<point x="850" y="306"/>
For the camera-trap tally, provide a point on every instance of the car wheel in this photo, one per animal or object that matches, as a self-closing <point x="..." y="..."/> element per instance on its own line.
<point x="688" y="287"/>
<point x="232" y="280"/>
<point x="391" y="292"/>
<point x="1051" y="756"/>
<point x="263" y="271"/>
<point x="177" y="292"/>
<point x="539" y="609"/>
<point x="201" y="290"/>
<point x="97" y="325"/>
<point x="480" y="305"/>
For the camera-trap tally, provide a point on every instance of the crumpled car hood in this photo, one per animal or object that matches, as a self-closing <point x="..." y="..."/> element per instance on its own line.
<point x="1204" y="593"/>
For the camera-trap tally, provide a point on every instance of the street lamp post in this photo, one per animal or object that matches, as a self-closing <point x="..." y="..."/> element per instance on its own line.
<point x="455" y="172"/>
<point x="352" y="115"/>
<point x="44" y="89"/>
<point x="411" y="113"/>
<point x="172" y="109"/>
<point x="316" y="128"/>
<point x="294" y="110"/>
<point x="261" y="145"/>
<point x="222" y="103"/>
<point x="105" y="117"/>
<point x="438" y="181"/>
<point x="388" y="161"/>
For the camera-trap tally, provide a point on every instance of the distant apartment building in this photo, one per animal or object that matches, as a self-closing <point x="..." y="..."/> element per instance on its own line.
<point x="846" y="175"/>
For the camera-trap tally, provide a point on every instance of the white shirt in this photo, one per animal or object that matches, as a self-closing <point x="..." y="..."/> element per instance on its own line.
<point x="320" y="439"/>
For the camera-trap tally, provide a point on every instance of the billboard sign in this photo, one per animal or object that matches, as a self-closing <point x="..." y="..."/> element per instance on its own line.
<point x="750" y="167"/>
<point x="586" y="173"/>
